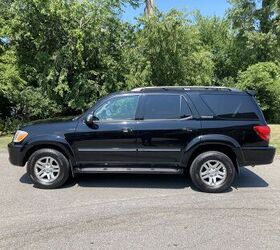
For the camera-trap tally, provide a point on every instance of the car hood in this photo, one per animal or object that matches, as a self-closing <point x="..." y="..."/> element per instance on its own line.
<point x="49" y="121"/>
<point x="51" y="126"/>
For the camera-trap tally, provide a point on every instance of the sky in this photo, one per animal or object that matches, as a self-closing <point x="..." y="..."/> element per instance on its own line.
<point x="206" y="7"/>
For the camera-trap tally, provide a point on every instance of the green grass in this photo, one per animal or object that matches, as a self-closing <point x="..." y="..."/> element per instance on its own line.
<point x="4" y="140"/>
<point x="275" y="137"/>
<point x="274" y="141"/>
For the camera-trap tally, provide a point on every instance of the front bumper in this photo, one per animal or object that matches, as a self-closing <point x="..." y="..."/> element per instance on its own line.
<point x="16" y="155"/>
<point x="257" y="155"/>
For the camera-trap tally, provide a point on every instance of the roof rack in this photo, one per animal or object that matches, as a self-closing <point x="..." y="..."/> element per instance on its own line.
<point x="184" y="88"/>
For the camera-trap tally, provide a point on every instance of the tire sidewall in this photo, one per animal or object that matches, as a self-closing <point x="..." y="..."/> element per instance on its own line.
<point x="62" y="162"/>
<point x="212" y="155"/>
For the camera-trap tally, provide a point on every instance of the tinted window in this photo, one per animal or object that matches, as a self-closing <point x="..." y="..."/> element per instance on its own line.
<point x="231" y="106"/>
<point x="119" y="108"/>
<point x="165" y="107"/>
<point x="185" y="109"/>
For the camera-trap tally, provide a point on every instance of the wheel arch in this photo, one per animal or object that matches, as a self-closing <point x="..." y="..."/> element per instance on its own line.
<point x="61" y="147"/>
<point x="224" y="144"/>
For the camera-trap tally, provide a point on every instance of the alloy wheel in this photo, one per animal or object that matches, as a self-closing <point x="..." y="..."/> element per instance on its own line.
<point x="47" y="169"/>
<point x="213" y="173"/>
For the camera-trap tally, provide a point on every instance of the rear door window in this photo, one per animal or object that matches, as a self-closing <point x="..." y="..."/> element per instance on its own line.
<point x="185" y="109"/>
<point x="232" y="106"/>
<point x="165" y="107"/>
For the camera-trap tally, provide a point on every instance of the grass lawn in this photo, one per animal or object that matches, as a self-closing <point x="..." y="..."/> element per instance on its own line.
<point x="4" y="140"/>
<point x="275" y="137"/>
<point x="274" y="141"/>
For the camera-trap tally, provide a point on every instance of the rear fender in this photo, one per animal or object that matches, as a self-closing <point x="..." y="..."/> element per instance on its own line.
<point x="212" y="139"/>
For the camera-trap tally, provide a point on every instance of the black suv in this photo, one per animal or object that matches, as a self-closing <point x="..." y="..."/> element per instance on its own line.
<point x="208" y="132"/>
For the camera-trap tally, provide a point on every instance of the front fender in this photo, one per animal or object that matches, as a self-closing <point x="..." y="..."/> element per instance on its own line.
<point x="52" y="141"/>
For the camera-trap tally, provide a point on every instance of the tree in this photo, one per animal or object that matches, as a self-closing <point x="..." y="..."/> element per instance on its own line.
<point x="57" y="57"/>
<point x="265" y="79"/>
<point x="170" y="52"/>
<point x="256" y="24"/>
<point x="216" y="35"/>
<point x="149" y="9"/>
<point x="254" y="15"/>
<point x="68" y="52"/>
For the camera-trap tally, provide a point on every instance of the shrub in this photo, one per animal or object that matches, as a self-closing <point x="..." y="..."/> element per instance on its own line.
<point x="265" y="79"/>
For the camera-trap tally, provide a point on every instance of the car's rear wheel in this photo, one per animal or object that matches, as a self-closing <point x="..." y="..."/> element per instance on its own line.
<point x="48" y="168"/>
<point x="212" y="172"/>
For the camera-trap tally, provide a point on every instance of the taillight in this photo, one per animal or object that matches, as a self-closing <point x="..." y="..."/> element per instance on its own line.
<point x="263" y="132"/>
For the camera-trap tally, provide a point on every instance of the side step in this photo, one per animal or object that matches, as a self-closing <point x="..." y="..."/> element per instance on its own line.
<point x="129" y="170"/>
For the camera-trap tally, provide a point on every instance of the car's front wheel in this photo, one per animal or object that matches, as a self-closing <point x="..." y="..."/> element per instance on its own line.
<point x="212" y="172"/>
<point x="48" y="168"/>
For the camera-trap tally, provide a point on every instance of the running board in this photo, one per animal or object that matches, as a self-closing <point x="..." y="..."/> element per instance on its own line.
<point x="129" y="170"/>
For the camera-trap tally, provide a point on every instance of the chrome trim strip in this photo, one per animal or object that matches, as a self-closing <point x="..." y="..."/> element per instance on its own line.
<point x="107" y="149"/>
<point x="159" y="150"/>
<point x="129" y="150"/>
<point x="207" y="116"/>
<point x="179" y="119"/>
<point x="115" y="121"/>
<point x="128" y="170"/>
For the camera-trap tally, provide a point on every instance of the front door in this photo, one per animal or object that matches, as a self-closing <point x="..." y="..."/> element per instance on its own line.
<point x="112" y="139"/>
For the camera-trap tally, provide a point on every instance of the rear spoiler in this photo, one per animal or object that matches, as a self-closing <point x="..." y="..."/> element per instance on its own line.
<point x="251" y="92"/>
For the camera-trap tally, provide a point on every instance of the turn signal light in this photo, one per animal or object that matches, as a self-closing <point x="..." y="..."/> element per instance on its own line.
<point x="20" y="136"/>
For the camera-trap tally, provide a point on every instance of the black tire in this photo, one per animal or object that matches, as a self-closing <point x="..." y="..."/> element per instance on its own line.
<point x="63" y="163"/>
<point x="215" y="156"/>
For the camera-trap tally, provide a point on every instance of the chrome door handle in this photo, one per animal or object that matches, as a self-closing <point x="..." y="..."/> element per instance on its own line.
<point x="187" y="129"/>
<point x="126" y="130"/>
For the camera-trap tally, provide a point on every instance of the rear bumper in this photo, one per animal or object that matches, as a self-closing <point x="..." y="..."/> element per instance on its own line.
<point x="257" y="155"/>
<point x="16" y="155"/>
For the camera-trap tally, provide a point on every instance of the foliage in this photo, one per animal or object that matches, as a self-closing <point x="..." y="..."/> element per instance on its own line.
<point x="275" y="137"/>
<point x="171" y="52"/>
<point x="57" y="57"/>
<point x="10" y="124"/>
<point x="256" y="24"/>
<point x="216" y="35"/>
<point x="69" y="52"/>
<point x="4" y="140"/>
<point x="265" y="79"/>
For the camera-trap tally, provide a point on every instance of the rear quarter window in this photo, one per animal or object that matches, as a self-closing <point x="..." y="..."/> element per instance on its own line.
<point x="240" y="107"/>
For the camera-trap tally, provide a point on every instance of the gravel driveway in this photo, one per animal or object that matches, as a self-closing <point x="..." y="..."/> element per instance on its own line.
<point x="139" y="212"/>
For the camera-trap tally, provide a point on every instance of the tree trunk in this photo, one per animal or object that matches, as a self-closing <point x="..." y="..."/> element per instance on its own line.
<point x="149" y="9"/>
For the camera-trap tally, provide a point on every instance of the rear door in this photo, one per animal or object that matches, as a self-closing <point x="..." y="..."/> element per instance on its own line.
<point x="165" y="127"/>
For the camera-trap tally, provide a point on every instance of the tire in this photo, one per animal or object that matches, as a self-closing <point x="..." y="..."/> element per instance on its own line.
<point x="221" y="177"/>
<point x="54" y="165"/>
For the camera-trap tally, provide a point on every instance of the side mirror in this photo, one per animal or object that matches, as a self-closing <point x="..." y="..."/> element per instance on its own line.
<point x="90" y="120"/>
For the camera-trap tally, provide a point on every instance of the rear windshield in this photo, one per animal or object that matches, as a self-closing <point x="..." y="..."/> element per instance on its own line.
<point x="232" y="106"/>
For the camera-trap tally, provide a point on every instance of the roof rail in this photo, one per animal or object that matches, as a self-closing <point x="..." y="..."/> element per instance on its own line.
<point x="184" y="88"/>
<point x="251" y="92"/>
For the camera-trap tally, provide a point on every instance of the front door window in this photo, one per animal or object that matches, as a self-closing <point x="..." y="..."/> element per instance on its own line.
<point x="118" y="108"/>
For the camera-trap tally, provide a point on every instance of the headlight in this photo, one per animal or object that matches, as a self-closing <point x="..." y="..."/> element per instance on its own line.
<point x="20" y="136"/>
